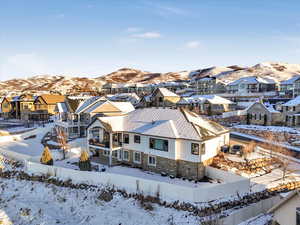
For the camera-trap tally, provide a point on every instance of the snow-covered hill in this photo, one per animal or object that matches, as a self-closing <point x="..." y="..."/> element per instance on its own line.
<point x="276" y="71"/>
<point x="70" y="85"/>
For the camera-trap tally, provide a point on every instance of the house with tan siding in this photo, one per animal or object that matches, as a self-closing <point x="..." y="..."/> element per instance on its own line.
<point x="74" y="122"/>
<point x="160" y="97"/>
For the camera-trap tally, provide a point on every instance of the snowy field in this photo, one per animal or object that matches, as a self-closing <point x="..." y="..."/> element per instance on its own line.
<point x="269" y="128"/>
<point x="27" y="203"/>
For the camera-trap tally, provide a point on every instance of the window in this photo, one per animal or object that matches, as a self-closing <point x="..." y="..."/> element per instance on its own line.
<point x="151" y="160"/>
<point x="195" y="149"/>
<point x="126" y="138"/>
<point x="115" y="154"/>
<point x="137" y="139"/>
<point x="160" y="99"/>
<point x="106" y="153"/>
<point x="137" y="157"/>
<point x="158" y="144"/>
<point x="126" y="155"/>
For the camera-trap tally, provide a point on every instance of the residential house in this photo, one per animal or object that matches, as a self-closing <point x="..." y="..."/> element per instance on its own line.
<point x="252" y="84"/>
<point x="65" y="117"/>
<point x="6" y="108"/>
<point x="125" y="97"/>
<point x="291" y="87"/>
<point x="45" y="106"/>
<point x="206" y="104"/>
<point x="75" y="123"/>
<point x="287" y="211"/>
<point x="291" y="112"/>
<point x="208" y="85"/>
<point x="260" y="114"/>
<point x="161" y="97"/>
<point x="163" y="140"/>
<point x="26" y="106"/>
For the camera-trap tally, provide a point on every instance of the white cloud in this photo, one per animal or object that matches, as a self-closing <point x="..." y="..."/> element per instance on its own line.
<point x="148" y="35"/>
<point x="133" y="29"/>
<point x="20" y="65"/>
<point x="193" y="44"/>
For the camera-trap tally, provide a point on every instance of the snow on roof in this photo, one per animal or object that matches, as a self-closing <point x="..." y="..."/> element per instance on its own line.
<point x="88" y="103"/>
<point x="124" y="107"/>
<point x="169" y="123"/>
<point x="252" y="80"/>
<point x="293" y="102"/>
<point x="62" y="107"/>
<point x="268" y="107"/>
<point x="166" y="92"/>
<point x="291" y="80"/>
<point x="213" y="99"/>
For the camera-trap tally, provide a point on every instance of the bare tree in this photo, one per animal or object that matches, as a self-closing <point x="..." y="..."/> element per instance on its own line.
<point x="279" y="152"/>
<point x="249" y="149"/>
<point x="63" y="141"/>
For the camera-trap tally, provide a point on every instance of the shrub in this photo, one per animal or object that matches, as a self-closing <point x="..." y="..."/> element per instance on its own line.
<point x="47" y="157"/>
<point x="84" y="162"/>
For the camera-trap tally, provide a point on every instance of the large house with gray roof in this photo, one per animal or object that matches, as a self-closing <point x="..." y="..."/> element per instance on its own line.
<point x="163" y="140"/>
<point x="251" y="84"/>
<point x="74" y="123"/>
<point x="290" y="87"/>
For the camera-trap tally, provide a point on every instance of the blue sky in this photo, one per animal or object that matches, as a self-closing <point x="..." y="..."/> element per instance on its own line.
<point x="92" y="38"/>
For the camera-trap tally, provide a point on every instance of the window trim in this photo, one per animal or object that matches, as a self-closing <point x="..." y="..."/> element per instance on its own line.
<point x="124" y="154"/>
<point x="125" y="138"/>
<point x="138" y="162"/>
<point x="150" y="164"/>
<point x="105" y="153"/>
<point x="163" y="150"/>
<point x="192" y="148"/>
<point x="139" y="138"/>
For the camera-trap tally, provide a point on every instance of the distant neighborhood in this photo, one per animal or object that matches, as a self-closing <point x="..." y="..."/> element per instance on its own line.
<point x="198" y="136"/>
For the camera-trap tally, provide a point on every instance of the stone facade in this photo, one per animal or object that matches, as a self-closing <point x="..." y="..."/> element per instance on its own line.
<point x="180" y="168"/>
<point x="258" y="114"/>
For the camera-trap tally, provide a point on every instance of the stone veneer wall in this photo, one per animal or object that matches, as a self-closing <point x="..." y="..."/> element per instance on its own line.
<point x="189" y="170"/>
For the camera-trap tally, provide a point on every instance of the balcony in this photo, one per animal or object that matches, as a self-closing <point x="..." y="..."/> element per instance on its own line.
<point x="104" y="144"/>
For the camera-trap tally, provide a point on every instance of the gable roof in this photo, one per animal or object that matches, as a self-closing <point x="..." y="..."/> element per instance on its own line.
<point x="168" y="123"/>
<point x="293" y="102"/>
<point x="88" y="103"/>
<point x="291" y="80"/>
<point x="52" y="99"/>
<point x="166" y="92"/>
<point x="252" y="80"/>
<point x="213" y="99"/>
<point x="269" y="108"/>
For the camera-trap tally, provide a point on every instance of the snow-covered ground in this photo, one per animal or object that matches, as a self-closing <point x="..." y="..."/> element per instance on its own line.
<point x="262" y="219"/>
<point x="269" y="128"/>
<point x="32" y="146"/>
<point x="26" y="203"/>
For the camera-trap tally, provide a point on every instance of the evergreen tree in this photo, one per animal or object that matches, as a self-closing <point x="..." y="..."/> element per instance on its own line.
<point x="84" y="162"/>
<point x="47" y="157"/>
<point x="1" y="163"/>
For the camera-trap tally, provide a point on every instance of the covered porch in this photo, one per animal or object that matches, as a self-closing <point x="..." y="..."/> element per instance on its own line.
<point x="104" y="145"/>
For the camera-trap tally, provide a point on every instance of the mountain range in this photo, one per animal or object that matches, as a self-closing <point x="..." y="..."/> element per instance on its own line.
<point x="71" y="85"/>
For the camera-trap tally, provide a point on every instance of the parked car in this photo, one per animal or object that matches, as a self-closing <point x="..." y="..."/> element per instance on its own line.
<point x="236" y="149"/>
<point x="225" y="148"/>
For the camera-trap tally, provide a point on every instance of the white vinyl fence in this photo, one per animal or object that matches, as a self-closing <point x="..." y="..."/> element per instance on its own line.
<point x="165" y="190"/>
